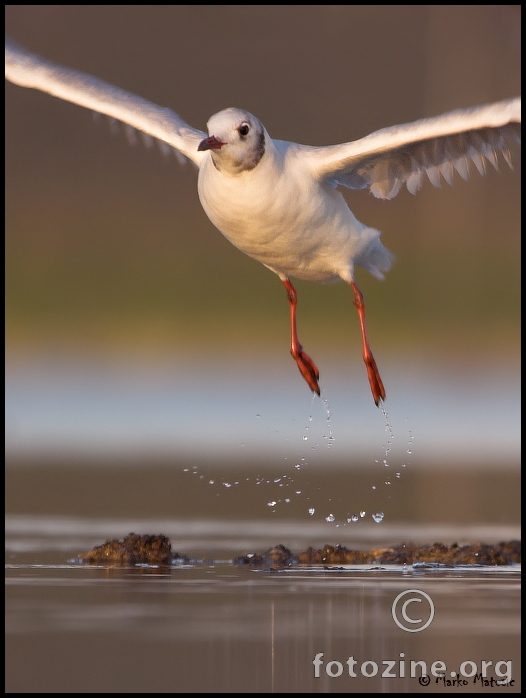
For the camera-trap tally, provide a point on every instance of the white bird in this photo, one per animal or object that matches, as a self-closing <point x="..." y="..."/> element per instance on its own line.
<point x="277" y="201"/>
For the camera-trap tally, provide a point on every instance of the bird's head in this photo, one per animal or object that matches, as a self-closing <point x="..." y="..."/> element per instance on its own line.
<point x="236" y="140"/>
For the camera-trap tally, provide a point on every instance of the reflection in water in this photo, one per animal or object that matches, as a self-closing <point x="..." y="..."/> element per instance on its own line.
<point x="213" y="627"/>
<point x="222" y="629"/>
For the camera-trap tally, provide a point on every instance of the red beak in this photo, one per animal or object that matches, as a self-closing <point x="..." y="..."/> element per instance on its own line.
<point x="210" y="143"/>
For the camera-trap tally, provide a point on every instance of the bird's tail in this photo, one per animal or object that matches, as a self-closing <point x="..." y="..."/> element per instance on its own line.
<point x="376" y="258"/>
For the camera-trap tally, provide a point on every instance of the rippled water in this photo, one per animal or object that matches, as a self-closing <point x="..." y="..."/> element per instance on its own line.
<point x="214" y="627"/>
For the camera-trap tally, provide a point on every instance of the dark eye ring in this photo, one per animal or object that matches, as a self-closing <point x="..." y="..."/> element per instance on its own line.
<point x="243" y="130"/>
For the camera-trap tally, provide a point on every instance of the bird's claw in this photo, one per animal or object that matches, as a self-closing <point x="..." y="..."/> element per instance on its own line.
<point x="308" y="370"/>
<point x="377" y="387"/>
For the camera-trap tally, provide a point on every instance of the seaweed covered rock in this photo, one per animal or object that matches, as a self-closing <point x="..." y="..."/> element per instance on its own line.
<point x="132" y="550"/>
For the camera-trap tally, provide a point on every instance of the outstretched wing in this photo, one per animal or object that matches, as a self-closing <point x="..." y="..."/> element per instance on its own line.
<point x="387" y="159"/>
<point x="29" y="70"/>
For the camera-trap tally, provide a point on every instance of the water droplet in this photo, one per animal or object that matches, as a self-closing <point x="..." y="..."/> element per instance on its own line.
<point x="373" y="487"/>
<point x="398" y="475"/>
<point x="408" y="451"/>
<point x="352" y="519"/>
<point x="298" y="466"/>
<point x="387" y="482"/>
<point x="258" y="416"/>
<point x="211" y="482"/>
<point x="330" y="518"/>
<point x="311" y="511"/>
<point x="277" y="479"/>
<point x="386" y="463"/>
<point x="185" y="470"/>
<point x="227" y="484"/>
<point x="288" y="501"/>
<point x="379" y="517"/>
<point x="305" y="438"/>
<point x="271" y="504"/>
<point x="362" y="514"/>
<point x="297" y="492"/>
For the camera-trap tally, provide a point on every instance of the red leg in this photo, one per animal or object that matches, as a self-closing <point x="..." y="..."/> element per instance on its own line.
<point x="377" y="387"/>
<point x="306" y="365"/>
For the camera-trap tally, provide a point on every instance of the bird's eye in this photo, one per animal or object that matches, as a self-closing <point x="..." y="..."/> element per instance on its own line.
<point x="243" y="130"/>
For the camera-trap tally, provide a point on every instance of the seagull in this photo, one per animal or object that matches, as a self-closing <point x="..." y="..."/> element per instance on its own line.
<point x="280" y="202"/>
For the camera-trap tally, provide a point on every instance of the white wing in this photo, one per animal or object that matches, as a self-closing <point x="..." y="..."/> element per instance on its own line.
<point x="387" y="159"/>
<point x="29" y="70"/>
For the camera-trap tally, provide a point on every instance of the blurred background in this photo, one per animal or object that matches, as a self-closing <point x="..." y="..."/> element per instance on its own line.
<point x="134" y="328"/>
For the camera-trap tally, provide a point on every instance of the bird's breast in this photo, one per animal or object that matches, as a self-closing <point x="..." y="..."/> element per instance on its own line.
<point x="291" y="224"/>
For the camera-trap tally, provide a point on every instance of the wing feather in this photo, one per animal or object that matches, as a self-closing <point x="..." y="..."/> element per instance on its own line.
<point x="386" y="160"/>
<point x="29" y="70"/>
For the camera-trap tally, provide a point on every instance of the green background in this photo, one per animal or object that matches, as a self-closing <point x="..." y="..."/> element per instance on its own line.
<point x="108" y="248"/>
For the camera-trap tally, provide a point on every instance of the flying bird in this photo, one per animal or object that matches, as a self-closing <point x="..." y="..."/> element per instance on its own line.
<point x="279" y="202"/>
